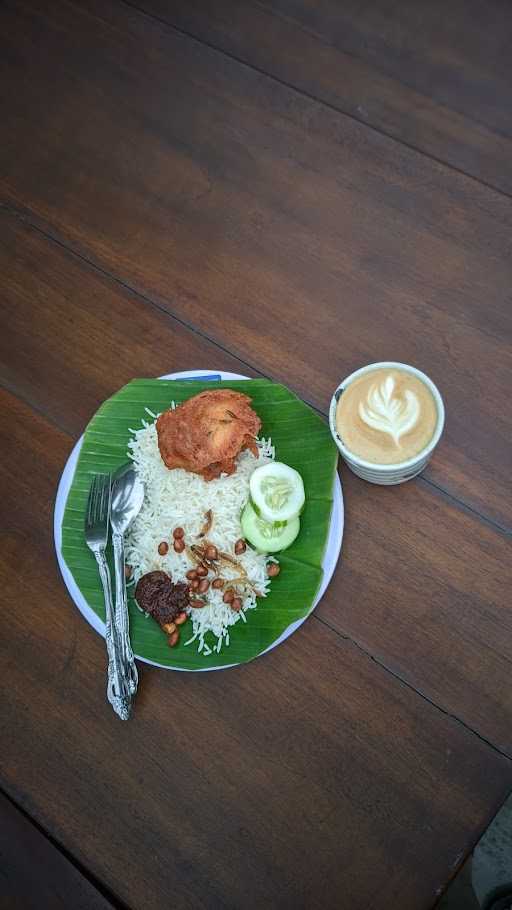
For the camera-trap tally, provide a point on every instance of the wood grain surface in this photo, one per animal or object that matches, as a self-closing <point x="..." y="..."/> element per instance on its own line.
<point x="73" y="336"/>
<point x="293" y="190"/>
<point x="287" y="232"/>
<point x="307" y="774"/>
<point x="417" y="567"/>
<point x="437" y="78"/>
<point x="423" y="585"/>
<point x="34" y="874"/>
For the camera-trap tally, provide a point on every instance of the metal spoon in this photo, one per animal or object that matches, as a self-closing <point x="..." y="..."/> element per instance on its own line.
<point x="127" y="498"/>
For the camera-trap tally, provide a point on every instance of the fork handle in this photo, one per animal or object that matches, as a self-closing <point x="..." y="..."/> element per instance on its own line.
<point x="122" y="620"/>
<point x="118" y="692"/>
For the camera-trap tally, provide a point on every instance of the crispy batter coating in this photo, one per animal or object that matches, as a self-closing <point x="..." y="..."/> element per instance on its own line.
<point x="206" y="433"/>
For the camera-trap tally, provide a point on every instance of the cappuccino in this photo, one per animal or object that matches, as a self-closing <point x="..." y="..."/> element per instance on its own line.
<point x="386" y="416"/>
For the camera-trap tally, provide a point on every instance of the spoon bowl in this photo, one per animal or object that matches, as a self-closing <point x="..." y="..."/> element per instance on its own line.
<point x="127" y="498"/>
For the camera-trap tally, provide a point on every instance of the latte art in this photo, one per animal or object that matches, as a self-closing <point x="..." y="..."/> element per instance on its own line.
<point x="388" y="414"/>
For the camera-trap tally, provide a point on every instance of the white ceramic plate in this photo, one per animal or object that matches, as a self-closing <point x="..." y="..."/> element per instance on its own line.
<point x="331" y="555"/>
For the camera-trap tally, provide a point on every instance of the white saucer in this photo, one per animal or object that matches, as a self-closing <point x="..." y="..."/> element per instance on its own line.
<point x="331" y="555"/>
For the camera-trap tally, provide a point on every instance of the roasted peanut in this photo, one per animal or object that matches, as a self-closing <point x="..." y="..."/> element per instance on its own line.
<point x="197" y="603"/>
<point x="229" y="596"/>
<point x="194" y="584"/>
<point x="178" y="533"/>
<point x="174" y="638"/>
<point x="218" y="583"/>
<point x="273" y="569"/>
<point x="163" y="548"/>
<point x="169" y="627"/>
<point x="191" y="574"/>
<point x="240" y="546"/>
<point x="179" y="545"/>
<point x="181" y="618"/>
<point x="211" y="552"/>
<point x="202" y="571"/>
<point x="236" y="604"/>
<point x="204" y="584"/>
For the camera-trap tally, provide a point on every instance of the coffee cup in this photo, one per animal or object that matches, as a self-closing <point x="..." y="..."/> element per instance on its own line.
<point x="386" y="420"/>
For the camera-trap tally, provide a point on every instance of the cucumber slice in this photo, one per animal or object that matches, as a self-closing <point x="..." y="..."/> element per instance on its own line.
<point x="266" y="536"/>
<point x="277" y="491"/>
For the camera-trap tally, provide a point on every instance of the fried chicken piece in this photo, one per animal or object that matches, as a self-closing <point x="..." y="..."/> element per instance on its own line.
<point x="206" y="433"/>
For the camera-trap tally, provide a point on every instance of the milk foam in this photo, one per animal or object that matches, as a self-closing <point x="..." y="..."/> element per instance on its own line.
<point x="388" y="414"/>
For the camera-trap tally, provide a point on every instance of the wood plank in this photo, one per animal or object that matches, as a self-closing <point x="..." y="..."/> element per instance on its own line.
<point x="438" y="80"/>
<point x="291" y="234"/>
<point x="423" y="584"/>
<point x="304" y="775"/>
<point x="72" y="336"/>
<point x="34" y="874"/>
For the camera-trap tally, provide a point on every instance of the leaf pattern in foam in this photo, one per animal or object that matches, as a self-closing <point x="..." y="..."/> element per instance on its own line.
<point x="389" y="414"/>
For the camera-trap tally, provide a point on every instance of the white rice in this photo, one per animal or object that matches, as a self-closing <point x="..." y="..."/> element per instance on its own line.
<point x="179" y="498"/>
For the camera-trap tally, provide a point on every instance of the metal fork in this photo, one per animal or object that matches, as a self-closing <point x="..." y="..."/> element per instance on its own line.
<point x="96" y="535"/>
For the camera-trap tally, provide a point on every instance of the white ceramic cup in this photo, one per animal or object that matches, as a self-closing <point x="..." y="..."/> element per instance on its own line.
<point x="387" y="473"/>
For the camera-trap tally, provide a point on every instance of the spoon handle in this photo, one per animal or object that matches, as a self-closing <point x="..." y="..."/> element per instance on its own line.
<point x="117" y="687"/>
<point x="122" y="621"/>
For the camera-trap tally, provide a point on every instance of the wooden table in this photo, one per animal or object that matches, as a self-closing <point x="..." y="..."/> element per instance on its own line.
<point x="286" y="189"/>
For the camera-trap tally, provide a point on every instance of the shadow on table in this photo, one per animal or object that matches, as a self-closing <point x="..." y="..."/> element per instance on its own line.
<point x="486" y="877"/>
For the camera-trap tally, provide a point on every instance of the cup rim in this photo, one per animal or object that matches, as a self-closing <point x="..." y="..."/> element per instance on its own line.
<point x="396" y="466"/>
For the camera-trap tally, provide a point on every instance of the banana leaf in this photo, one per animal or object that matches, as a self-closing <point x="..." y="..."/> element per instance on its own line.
<point x="301" y="438"/>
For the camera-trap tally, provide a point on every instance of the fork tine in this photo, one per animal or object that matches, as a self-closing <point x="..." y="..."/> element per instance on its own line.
<point x="106" y="492"/>
<point x="96" y="501"/>
<point x="90" y="501"/>
<point x="109" y="489"/>
<point x="101" y="488"/>
<point x="104" y="496"/>
<point x="97" y="512"/>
